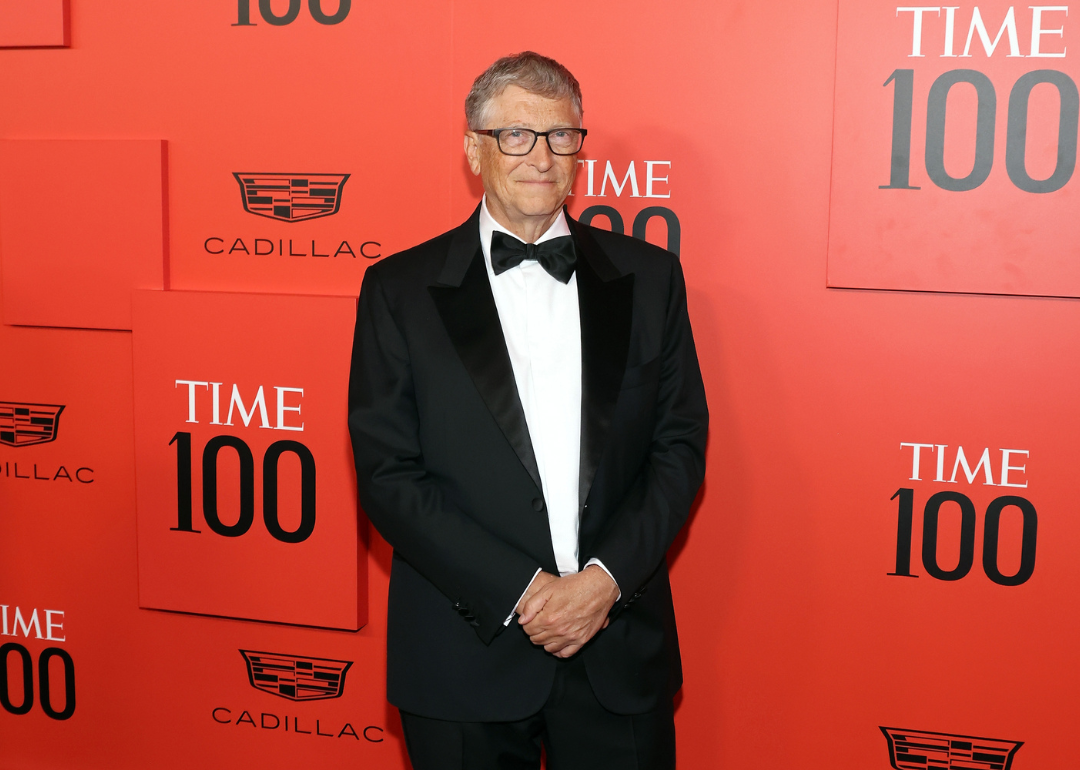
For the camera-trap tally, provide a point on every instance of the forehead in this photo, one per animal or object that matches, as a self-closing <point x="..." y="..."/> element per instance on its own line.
<point x="516" y="106"/>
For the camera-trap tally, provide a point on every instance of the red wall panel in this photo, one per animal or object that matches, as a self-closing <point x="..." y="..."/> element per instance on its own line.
<point x="34" y="23"/>
<point x="82" y="225"/>
<point x="246" y="488"/>
<point x="957" y="175"/>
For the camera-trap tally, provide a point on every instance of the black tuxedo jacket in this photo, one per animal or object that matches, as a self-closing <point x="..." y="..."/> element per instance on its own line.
<point x="446" y="472"/>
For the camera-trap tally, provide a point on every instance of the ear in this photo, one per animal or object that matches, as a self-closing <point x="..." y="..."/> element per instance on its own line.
<point x="472" y="151"/>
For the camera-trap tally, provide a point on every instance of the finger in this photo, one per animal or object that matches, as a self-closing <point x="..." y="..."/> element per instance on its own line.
<point x="534" y="588"/>
<point x="528" y="613"/>
<point x="561" y="636"/>
<point x="536" y="625"/>
<point x="569" y="651"/>
<point x="548" y="616"/>
<point x="533" y="606"/>
<point x="544" y="637"/>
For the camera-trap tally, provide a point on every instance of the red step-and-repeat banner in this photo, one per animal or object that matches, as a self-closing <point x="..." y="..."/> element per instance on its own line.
<point x="875" y="208"/>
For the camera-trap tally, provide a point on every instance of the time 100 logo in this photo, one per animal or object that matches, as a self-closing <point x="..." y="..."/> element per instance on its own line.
<point x="266" y="10"/>
<point x="182" y="440"/>
<point x="1011" y="476"/>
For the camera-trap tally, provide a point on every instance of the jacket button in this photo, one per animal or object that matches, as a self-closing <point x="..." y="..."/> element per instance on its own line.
<point x="538" y="504"/>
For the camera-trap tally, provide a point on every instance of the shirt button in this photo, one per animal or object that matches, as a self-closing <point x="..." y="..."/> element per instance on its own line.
<point x="538" y="504"/>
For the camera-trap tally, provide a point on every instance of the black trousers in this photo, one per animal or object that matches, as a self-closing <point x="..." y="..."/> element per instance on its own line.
<point x="574" y="729"/>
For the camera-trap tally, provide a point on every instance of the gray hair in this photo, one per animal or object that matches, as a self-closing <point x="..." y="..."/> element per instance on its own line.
<point x="528" y="70"/>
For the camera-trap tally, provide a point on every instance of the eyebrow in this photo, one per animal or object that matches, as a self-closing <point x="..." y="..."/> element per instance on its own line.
<point x="553" y="128"/>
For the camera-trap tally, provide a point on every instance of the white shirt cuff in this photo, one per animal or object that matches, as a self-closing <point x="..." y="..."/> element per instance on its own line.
<point x="514" y="612"/>
<point x="600" y="564"/>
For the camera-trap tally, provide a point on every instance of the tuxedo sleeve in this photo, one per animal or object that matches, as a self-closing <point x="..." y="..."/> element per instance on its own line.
<point x="481" y="574"/>
<point x="655" y="507"/>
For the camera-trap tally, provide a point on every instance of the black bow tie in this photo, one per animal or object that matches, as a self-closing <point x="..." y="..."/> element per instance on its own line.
<point x="557" y="255"/>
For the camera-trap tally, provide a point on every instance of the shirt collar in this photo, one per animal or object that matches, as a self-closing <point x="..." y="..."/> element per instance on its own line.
<point x="488" y="225"/>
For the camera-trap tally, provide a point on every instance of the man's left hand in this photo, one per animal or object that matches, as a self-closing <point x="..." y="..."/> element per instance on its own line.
<point x="567" y="612"/>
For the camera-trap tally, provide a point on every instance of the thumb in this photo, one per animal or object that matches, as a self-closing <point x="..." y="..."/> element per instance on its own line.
<point x="533" y="606"/>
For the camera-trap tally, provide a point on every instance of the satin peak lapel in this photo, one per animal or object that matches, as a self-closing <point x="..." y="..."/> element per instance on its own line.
<point x="606" y="306"/>
<point x="467" y="308"/>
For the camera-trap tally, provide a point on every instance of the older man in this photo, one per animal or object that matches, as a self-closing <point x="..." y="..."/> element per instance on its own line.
<point x="529" y="422"/>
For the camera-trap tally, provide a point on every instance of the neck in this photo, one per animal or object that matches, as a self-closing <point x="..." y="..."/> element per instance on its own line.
<point x="527" y="228"/>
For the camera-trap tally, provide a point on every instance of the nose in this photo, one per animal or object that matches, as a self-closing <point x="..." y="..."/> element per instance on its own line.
<point x="541" y="155"/>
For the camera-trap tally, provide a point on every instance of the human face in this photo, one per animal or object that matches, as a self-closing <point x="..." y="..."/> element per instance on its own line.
<point x="524" y="192"/>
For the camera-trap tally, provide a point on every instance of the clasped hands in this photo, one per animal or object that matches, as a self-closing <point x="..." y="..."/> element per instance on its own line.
<point x="561" y="614"/>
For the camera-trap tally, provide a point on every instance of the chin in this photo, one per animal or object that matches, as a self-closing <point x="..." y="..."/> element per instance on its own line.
<point x="537" y="207"/>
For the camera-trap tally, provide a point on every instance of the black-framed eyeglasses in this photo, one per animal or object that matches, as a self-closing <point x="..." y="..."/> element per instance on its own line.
<point x="520" y="141"/>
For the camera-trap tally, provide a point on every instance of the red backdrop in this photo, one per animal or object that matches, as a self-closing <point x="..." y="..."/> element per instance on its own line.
<point x="711" y="132"/>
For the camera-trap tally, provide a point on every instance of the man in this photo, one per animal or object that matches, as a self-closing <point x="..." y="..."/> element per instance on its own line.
<point x="528" y="421"/>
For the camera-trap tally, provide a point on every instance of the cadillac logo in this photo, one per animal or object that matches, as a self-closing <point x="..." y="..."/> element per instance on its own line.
<point x="294" y="676"/>
<point x="28" y="424"/>
<point x="291" y="197"/>
<point x="922" y="750"/>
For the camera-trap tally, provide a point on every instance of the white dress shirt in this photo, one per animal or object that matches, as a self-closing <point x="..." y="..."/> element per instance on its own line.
<point x="542" y="328"/>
